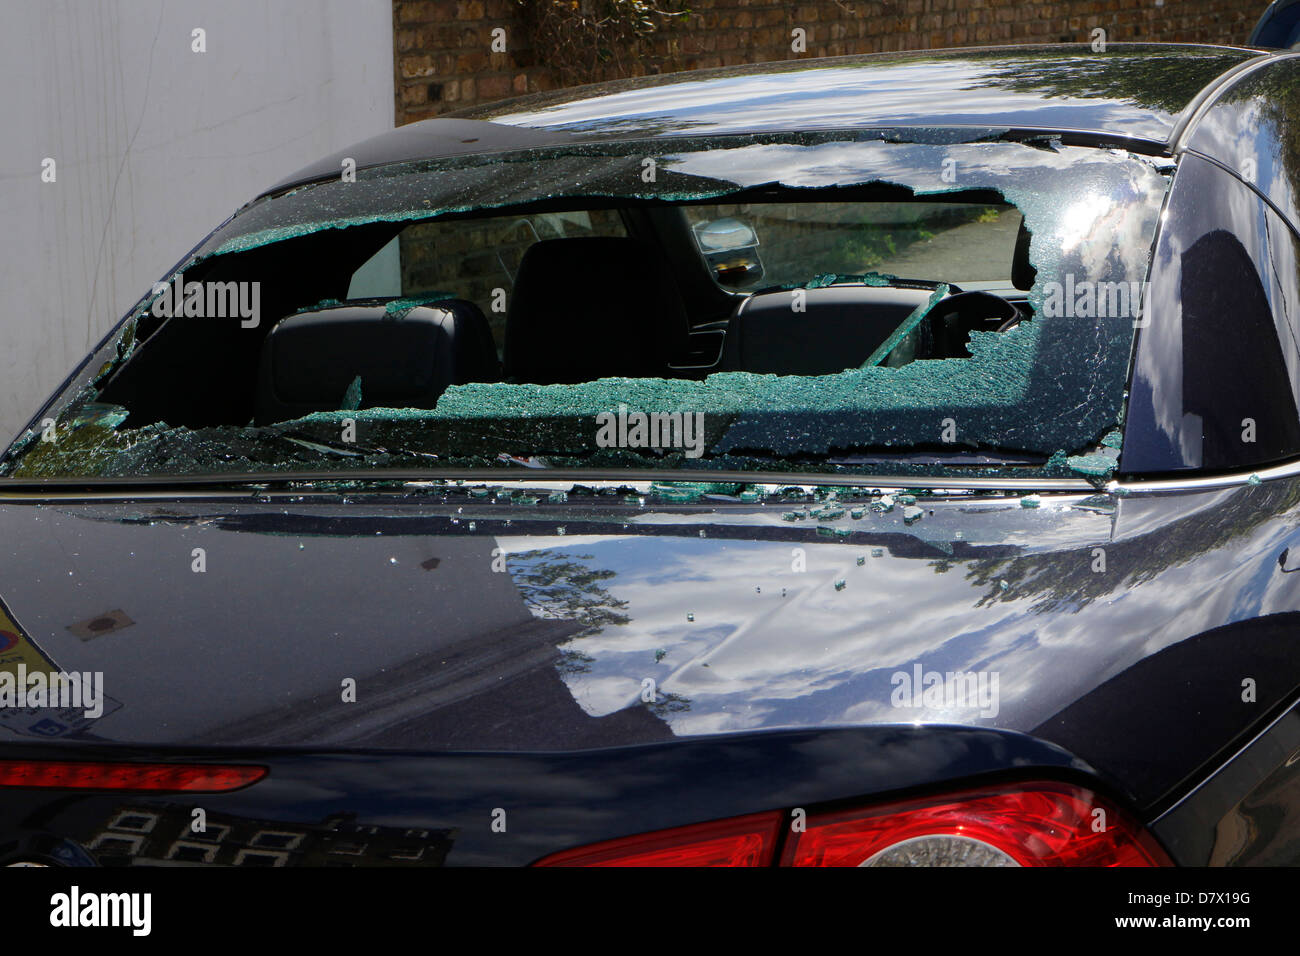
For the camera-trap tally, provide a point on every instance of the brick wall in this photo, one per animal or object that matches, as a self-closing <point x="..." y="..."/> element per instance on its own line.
<point x="444" y="59"/>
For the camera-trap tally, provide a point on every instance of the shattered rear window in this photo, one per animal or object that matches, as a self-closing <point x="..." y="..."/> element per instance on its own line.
<point x="959" y="371"/>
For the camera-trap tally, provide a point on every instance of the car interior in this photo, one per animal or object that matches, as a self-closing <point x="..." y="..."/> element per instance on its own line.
<point x="410" y="314"/>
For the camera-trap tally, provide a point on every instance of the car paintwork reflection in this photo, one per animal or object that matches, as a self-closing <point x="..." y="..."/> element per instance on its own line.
<point x="552" y="653"/>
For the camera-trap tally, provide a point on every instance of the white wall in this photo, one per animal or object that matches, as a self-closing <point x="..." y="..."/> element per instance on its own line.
<point x="155" y="145"/>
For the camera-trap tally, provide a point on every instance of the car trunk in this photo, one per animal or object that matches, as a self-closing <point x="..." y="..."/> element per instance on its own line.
<point x="619" y="662"/>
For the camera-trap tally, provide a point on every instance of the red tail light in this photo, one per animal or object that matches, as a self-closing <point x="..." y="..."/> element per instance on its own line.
<point x="1038" y="824"/>
<point x="77" y="775"/>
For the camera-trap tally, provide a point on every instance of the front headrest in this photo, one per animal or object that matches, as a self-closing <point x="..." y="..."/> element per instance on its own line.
<point x="592" y="307"/>
<point x="405" y="357"/>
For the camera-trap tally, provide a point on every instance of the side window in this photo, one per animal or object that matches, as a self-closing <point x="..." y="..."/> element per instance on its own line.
<point x="471" y="258"/>
<point x="1216" y="382"/>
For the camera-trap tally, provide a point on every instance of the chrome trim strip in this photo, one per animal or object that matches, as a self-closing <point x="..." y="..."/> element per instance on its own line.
<point x="70" y="489"/>
<point x="1012" y="486"/>
<point x="1290" y="469"/>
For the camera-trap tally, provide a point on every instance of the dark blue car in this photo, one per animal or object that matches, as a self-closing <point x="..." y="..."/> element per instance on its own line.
<point x="887" y="460"/>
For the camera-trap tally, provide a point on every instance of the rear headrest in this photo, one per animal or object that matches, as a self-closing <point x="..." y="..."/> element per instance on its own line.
<point x="840" y="326"/>
<point x="592" y="307"/>
<point x="406" y="357"/>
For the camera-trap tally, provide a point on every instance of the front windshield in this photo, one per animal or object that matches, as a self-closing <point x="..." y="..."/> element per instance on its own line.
<point x="774" y="304"/>
<point x="972" y="244"/>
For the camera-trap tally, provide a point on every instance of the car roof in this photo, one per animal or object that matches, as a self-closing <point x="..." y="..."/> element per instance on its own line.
<point x="1130" y="94"/>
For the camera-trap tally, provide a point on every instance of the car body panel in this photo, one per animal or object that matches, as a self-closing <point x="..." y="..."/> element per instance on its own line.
<point x="1244" y="814"/>
<point x="1133" y="90"/>
<point x="703" y="585"/>
<point x="1250" y="129"/>
<point x="1278" y="26"/>
<point x="436" y="809"/>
